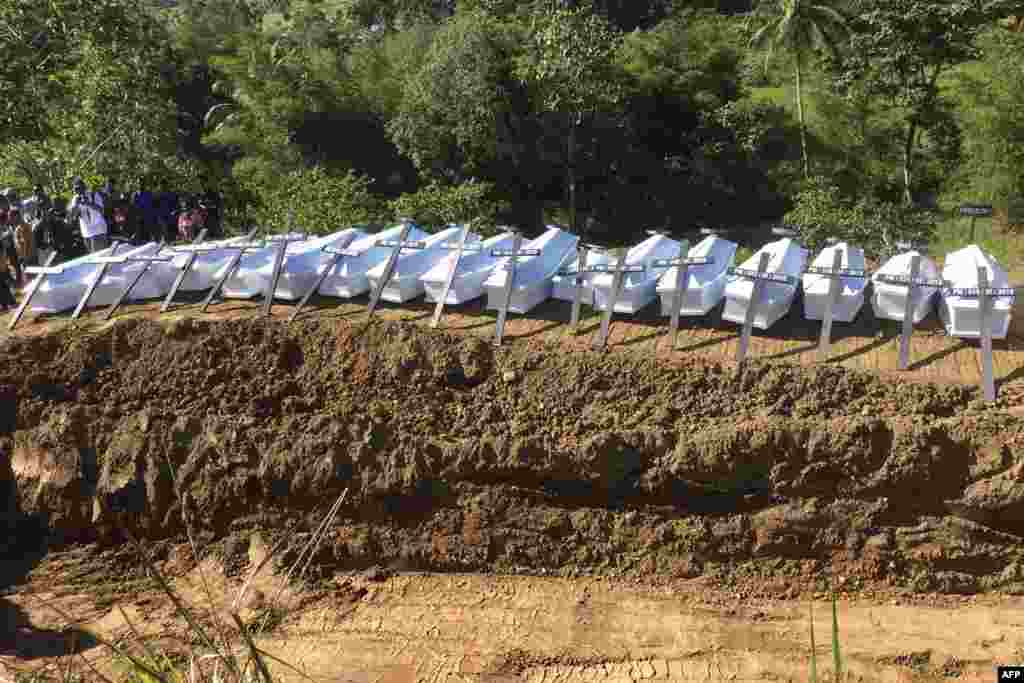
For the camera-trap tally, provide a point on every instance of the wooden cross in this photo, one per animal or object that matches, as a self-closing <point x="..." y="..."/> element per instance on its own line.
<point x="759" y="277"/>
<point x="681" y="263"/>
<point x="389" y="269"/>
<point x="104" y="263"/>
<point x="513" y="255"/>
<point x="618" y="271"/>
<point x="148" y="260"/>
<point x="337" y="254"/>
<point x="40" y="273"/>
<point x="911" y="282"/>
<point x="275" y="277"/>
<point x="240" y="249"/>
<point x="835" y="288"/>
<point x="460" y="248"/>
<point x="194" y="250"/>
<point x="577" y="272"/>
<point x="986" y="298"/>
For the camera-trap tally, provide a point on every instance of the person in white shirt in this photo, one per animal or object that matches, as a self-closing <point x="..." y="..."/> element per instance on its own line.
<point x="88" y="207"/>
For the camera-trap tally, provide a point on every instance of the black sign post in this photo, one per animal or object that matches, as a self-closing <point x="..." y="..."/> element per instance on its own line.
<point x="975" y="211"/>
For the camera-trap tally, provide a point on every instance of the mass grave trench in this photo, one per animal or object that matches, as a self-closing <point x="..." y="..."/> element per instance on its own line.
<point x="458" y="455"/>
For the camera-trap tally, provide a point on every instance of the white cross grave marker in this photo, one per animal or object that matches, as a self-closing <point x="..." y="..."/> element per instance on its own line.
<point x="618" y="270"/>
<point x="513" y="255"/>
<point x="40" y="273"/>
<point x="149" y="261"/>
<point x="460" y="248"/>
<point x="835" y="287"/>
<point x="912" y="282"/>
<point x="240" y="248"/>
<point x="337" y="254"/>
<point x="986" y="298"/>
<point x="389" y="269"/>
<point x="194" y="250"/>
<point x="577" y="272"/>
<point x="104" y="263"/>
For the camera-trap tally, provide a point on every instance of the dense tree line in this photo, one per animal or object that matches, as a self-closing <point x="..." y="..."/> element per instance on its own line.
<point x="610" y="115"/>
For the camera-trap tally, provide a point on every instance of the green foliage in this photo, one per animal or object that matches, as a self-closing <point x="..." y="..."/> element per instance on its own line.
<point x="821" y="212"/>
<point x="450" y="116"/>
<point x="322" y="202"/>
<point x="437" y="205"/>
<point x="798" y="27"/>
<point x="570" y="61"/>
<point x="695" y="56"/>
<point x="991" y="105"/>
<point x="82" y="88"/>
<point x="899" y="50"/>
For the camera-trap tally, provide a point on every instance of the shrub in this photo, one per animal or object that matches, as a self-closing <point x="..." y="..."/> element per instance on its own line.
<point x="322" y="202"/>
<point x="438" y="205"/>
<point x="821" y="211"/>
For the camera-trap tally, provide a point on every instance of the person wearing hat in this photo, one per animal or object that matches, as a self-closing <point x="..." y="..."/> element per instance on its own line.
<point x="88" y="208"/>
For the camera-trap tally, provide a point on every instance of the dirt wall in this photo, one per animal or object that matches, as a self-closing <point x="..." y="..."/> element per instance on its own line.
<point x="458" y="456"/>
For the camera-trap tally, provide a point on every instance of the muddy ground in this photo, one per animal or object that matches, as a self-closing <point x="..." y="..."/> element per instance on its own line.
<point x="768" y="483"/>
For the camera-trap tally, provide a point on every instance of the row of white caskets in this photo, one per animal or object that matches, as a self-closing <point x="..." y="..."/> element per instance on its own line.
<point x="552" y="271"/>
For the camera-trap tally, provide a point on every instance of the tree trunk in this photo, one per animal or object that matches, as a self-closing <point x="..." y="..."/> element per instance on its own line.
<point x="571" y="170"/>
<point x="908" y="160"/>
<point x="800" y="115"/>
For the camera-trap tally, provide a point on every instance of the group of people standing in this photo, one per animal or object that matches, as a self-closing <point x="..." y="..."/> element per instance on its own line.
<point x="30" y="229"/>
<point x="142" y="215"/>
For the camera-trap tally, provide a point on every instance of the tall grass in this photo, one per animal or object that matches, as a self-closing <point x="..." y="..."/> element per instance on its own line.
<point x="837" y="662"/>
<point x="218" y="653"/>
<point x="954" y="233"/>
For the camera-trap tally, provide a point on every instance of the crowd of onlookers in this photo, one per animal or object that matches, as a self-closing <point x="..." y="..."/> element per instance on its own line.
<point x="33" y="228"/>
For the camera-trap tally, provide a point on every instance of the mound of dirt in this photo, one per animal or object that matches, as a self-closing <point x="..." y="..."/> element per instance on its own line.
<point x="459" y="456"/>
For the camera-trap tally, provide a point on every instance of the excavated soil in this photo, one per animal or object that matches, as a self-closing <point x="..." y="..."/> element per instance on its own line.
<point x="461" y="457"/>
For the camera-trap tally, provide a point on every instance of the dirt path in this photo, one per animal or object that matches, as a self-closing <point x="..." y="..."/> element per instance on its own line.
<point x="464" y="627"/>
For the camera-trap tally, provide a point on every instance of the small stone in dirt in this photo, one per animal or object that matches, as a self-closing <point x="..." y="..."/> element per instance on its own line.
<point x="376" y="573"/>
<point x="254" y="599"/>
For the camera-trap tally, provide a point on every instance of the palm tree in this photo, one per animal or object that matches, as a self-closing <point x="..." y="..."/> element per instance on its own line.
<point x="798" y="27"/>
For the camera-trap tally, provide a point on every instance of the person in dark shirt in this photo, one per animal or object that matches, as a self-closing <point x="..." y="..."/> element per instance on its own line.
<point x="167" y="214"/>
<point x="212" y="202"/>
<point x="8" y="257"/>
<point x="144" y="204"/>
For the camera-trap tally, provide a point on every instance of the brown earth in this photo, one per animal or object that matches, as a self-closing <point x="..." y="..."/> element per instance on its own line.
<point x="461" y="457"/>
<point x="765" y="483"/>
